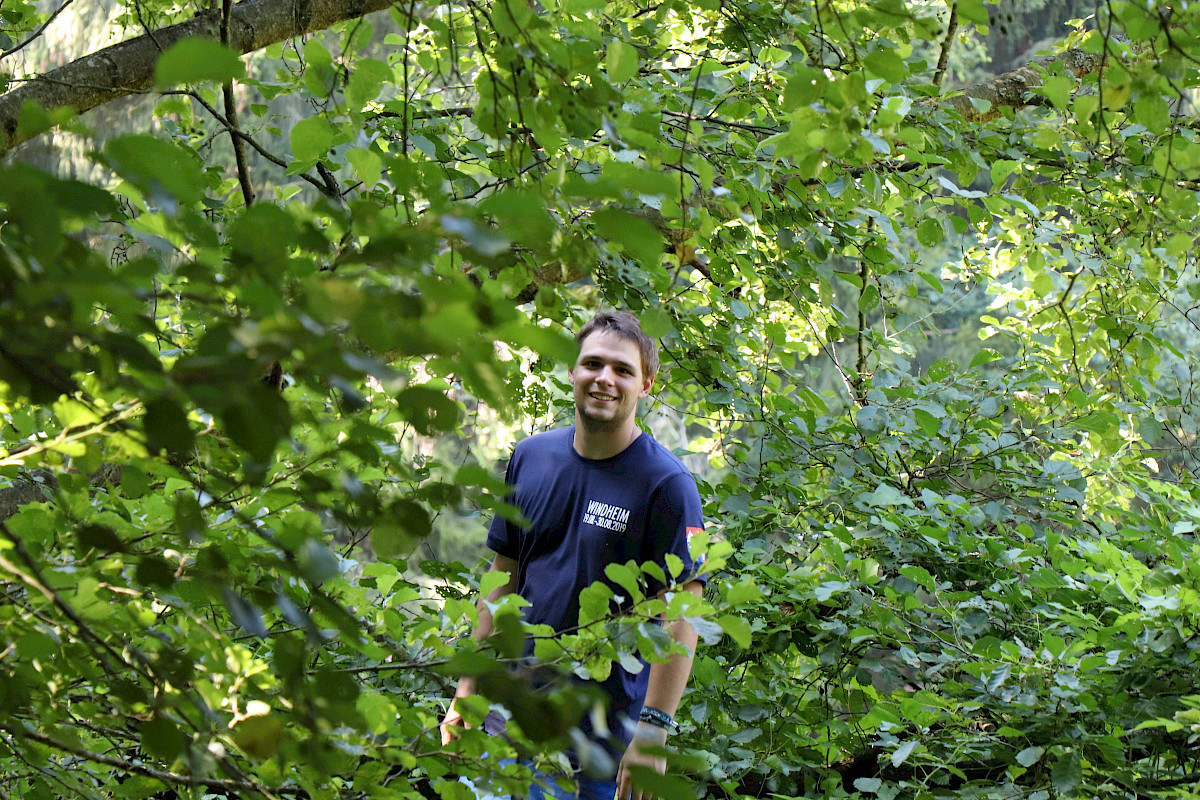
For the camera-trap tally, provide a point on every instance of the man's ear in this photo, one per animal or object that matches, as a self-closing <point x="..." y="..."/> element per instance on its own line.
<point x="646" y="384"/>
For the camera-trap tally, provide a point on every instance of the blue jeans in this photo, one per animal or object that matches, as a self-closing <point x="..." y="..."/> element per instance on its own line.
<point x="584" y="789"/>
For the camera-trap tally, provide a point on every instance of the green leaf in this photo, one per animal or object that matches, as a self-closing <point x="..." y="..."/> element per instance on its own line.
<point x="37" y="646"/>
<point x="196" y="60"/>
<point x="167" y="427"/>
<point x="366" y="80"/>
<point x="317" y="563"/>
<point x="311" y="139"/>
<point x="483" y="239"/>
<point x="930" y="232"/>
<point x="744" y="591"/>
<point x="99" y="537"/>
<point x="984" y="356"/>
<point x="595" y="602"/>
<point x="1152" y="111"/>
<point x="259" y="736"/>
<point x="244" y="613"/>
<point x="162" y="738"/>
<point x="868" y="785"/>
<point x="377" y="710"/>
<point x="1098" y="422"/>
<point x="159" y="168"/>
<point x="928" y="423"/>
<point x="638" y="238"/>
<point x="1151" y="430"/>
<point x="155" y="571"/>
<point x="656" y="323"/>
<point x="621" y="63"/>
<point x="1030" y="756"/>
<point x="973" y="11"/>
<point x="256" y="420"/>
<point x="902" y="752"/>
<point x="1057" y="88"/>
<point x="665" y="787"/>
<point x="737" y="629"/>
<point x="804" y="86"/>
<point x="887" y="64"/>
<point x="626" y="578"/>
<point x="1066" y="773"/>
<point x="428" y="409"/>
<point x="871" y="419"/>
<point x="522" y="217"/>
<point x="492" y="580"/>
<point x="367" y="165"/>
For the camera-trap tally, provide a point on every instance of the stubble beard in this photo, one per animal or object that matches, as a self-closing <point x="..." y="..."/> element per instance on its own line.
<point x="593" y="424"/>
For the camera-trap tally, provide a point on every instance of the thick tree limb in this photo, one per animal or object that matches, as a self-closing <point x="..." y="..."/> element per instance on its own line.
<point x="128" y="67"/>
<point x="1011" y="90"/>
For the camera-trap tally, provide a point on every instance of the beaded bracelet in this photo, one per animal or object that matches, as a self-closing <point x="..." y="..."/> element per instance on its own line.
<point x="660" y="719"/>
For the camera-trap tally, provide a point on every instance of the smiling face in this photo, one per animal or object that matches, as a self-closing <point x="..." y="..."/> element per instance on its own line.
<point x="608" y="379"/>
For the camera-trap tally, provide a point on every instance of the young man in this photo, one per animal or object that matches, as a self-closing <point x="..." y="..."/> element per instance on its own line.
<point x="596" y="493"/>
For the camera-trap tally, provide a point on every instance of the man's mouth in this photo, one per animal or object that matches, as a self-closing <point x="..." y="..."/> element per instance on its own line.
<point x="603" y="397"/>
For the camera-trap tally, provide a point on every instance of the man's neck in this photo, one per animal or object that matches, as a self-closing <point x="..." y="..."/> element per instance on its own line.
<point x="601" y="444"/>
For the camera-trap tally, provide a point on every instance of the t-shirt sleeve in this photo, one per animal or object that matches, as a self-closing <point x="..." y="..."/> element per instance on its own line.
<point x="502" y="537"/>
<point x="674" y="517"/>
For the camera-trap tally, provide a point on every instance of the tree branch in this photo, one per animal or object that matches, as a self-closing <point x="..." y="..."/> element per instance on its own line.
<point x="1011" y="90"/>
<point x="239" y="147"/>
<point x="128" y="67"/>
<point x="169" y="778"/>
<point x="947" y="43"/>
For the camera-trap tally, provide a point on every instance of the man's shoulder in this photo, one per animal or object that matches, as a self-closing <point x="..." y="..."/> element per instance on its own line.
<point x="662" y="460"/>
<point x="546" y="441"/>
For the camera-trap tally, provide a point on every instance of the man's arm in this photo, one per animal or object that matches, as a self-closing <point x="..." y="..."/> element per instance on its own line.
<point x="483" y="629"/>
<point x="663" y="691"/>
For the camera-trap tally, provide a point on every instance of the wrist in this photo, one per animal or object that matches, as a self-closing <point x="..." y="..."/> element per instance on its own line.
<point x="658" y="718"/>
<point x="647" y="733"/>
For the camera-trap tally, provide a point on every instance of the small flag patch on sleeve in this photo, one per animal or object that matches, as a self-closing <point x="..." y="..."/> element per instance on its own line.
<point x="692" y="532"/>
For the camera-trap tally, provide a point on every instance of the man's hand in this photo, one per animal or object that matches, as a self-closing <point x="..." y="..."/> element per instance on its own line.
<point x="451" y="724"/>
<point x="650" y="738"/>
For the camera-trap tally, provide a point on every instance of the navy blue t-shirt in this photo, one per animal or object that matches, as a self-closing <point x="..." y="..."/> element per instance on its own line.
<point x="585" y="514"/>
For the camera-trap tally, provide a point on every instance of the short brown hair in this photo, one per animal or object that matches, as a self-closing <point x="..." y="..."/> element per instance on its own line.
<point x="625" y="325"/>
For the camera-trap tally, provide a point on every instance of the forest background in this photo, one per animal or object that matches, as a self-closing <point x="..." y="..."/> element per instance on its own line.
<point x="925" y="281"/>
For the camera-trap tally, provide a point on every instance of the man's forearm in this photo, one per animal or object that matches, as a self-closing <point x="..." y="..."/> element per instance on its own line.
<point x="667" y="680"/>
<point x="483" y="622"/>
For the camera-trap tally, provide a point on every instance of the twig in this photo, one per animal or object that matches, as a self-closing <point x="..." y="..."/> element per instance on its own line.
<point x="947" y="43"/>
<point x="268" y="155"/>
<point x="17" y="457"/>
<point x="171" y="778"/>
<point x="33" y="36"/>
<point x="724" y="123"/>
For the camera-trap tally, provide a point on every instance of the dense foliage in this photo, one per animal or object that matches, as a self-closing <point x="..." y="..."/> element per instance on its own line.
<point x="932" y="350"/>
